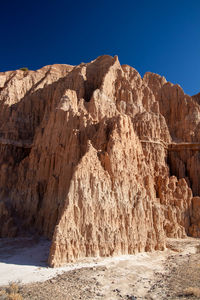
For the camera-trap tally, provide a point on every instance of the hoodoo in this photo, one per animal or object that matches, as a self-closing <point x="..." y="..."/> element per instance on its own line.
<point x="99" y="160"/>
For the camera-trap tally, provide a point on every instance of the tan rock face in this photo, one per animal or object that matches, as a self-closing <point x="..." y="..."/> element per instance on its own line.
<point x="98" y="159"/>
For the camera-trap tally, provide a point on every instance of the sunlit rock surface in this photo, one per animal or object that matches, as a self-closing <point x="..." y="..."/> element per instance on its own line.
<point x="98" y="159"/>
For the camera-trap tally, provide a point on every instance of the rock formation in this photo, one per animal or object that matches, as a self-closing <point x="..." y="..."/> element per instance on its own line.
<point x="98" y="159"/>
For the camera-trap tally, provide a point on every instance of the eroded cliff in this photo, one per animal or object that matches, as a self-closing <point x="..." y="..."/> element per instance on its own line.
<point x="98" y="159"/>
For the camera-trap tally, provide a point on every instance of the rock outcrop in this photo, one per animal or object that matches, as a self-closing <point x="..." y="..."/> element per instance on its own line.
<point x="98" y="159"/>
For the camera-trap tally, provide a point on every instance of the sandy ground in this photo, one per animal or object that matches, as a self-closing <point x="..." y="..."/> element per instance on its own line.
<point x="25" y="260"/>
<point x="157" y="275"/>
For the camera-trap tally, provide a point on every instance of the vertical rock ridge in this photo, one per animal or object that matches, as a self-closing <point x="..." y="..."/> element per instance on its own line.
<point x="97" y="158"/>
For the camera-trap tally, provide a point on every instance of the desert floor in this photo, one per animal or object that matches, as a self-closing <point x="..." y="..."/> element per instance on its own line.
<point x="171" y="274"/>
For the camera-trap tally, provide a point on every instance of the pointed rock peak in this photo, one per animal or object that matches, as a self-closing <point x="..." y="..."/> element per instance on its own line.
<point x="104" y="59"/>
<point x="95" y="72"/>
<point x="130" y="70"/>
<point x="153" y="78"/>
<point x="196" y="98"/>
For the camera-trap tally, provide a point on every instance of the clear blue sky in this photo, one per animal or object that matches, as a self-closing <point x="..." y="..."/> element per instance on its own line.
<point x="150" y="35"/>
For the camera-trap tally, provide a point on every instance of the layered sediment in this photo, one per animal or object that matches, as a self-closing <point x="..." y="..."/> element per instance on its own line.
<point x="98" y="159"/>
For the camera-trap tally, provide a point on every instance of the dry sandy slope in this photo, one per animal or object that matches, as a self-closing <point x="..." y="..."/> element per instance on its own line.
<point x="143" y="276"/>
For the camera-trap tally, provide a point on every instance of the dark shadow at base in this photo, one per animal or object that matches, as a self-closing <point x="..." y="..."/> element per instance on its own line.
<point x="27" y="251"/>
